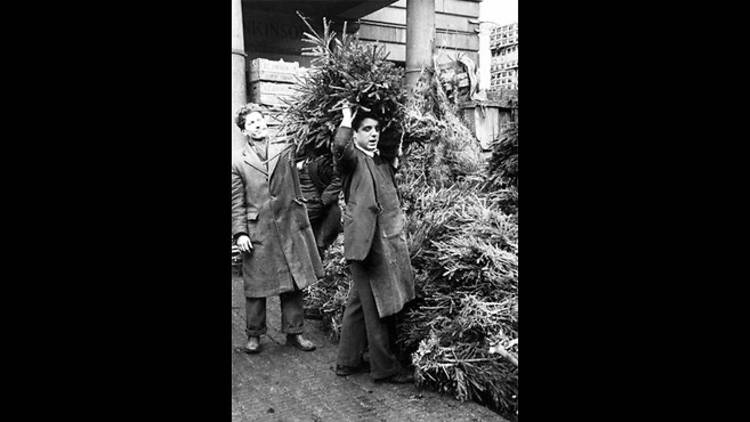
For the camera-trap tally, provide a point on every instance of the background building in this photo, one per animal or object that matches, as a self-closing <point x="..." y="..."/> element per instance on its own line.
<point x="454" y="33"/>
<point x="272" y="30"/>
<point x="504" y="62"/>
<point x="264" y="31"/>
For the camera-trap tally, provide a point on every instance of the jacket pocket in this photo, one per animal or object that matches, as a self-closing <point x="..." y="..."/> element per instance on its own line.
<point x="392" y="223"/>
<point x="396" y="251"/>
<point x="252" y="227"/>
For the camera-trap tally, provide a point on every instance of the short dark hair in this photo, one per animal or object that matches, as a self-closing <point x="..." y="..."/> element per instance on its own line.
<point x="357" y="122"/>
<point x="246" y="109"/>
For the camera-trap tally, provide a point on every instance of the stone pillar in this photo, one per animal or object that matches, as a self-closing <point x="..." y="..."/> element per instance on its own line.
<point x="485" y="56"/>
<point x="420" y="38"/>
<point x="239" y="88"/>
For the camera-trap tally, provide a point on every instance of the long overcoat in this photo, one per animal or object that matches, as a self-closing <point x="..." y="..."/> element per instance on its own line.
<point x="373" y="210"/>
<point x="267" y="205"/>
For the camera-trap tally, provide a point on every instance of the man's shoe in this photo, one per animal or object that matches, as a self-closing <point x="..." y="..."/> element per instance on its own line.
<point x="399" y="378"/>
<point x="300" y="342"/>
<point x="253" y="345"/>
<point x="343" y="370"/>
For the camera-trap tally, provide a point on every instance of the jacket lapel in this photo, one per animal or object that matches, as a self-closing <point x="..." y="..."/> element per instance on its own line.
<point x="274" y="152"/>
<point x="252" y="159"/>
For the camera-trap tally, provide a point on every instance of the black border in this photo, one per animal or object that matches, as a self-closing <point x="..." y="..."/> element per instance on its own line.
<point x="127" y="188"/>
<point x="125" y="193"/>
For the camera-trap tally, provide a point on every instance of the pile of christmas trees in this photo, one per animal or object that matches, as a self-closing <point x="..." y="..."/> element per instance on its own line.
<point x="461" y="332"/>
<point x="326" y="299"/>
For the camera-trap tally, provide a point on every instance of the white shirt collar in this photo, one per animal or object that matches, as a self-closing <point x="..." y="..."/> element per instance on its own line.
<point x="370" y="154"/>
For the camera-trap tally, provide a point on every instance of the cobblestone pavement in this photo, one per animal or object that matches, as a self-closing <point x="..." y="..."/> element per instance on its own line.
<point x="283" y="384"/>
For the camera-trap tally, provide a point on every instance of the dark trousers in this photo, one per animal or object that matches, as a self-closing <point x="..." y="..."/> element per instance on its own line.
<point x="292" y="315"/>
<point x="362" y="326"/>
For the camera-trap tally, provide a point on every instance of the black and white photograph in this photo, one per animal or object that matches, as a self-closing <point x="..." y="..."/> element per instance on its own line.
<point x="374" y="210"/>
<point x="354" y="203"/>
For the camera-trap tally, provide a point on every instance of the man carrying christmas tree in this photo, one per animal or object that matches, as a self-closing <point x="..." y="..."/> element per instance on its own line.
<point x="375" y="246"/>
<point x="271" y="228"/>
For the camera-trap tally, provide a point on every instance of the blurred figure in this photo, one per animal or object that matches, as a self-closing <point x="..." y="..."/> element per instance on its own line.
<point x="321" y="186"/>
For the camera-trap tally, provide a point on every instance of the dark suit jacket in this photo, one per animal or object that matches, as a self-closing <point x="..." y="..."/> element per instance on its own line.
<point x="325" y="180"/>
<point x="373" y="213"/>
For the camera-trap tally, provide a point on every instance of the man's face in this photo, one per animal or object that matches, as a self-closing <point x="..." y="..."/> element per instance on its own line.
<point x="368" y="134"/>
<point x="255" y="125"/>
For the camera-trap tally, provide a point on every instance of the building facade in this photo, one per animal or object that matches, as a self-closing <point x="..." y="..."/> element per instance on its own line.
<point x="265" y="31"/>
<point x="504" y="62"/>
<point x="454" y="33"/>
<point x="272" y="31"/>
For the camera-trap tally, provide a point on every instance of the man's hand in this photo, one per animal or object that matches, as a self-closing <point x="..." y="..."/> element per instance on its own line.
<point x="347" y="115"/>
<point x="244" y="244"/>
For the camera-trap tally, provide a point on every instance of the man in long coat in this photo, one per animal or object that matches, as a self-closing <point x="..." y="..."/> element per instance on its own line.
<point x="271" y="228"/>
<point x="375" y="246"/>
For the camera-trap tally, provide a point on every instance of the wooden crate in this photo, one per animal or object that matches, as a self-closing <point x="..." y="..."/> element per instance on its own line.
<point x="272" y="71"/>
<point x="271" y="93"/>
<point x="268" y="99"/>
<point x="261" y="64"/>
<point x="271" y="76"/>
<point x="263" y="87"/>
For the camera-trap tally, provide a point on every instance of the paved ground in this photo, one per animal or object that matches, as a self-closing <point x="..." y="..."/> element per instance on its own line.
<point x="285" y="384"/>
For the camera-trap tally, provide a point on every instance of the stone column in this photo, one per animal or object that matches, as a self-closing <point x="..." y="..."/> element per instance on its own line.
<point x="239" y="88"/>
<point x="485" y="56"/>
<point x="420" y="38"/>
